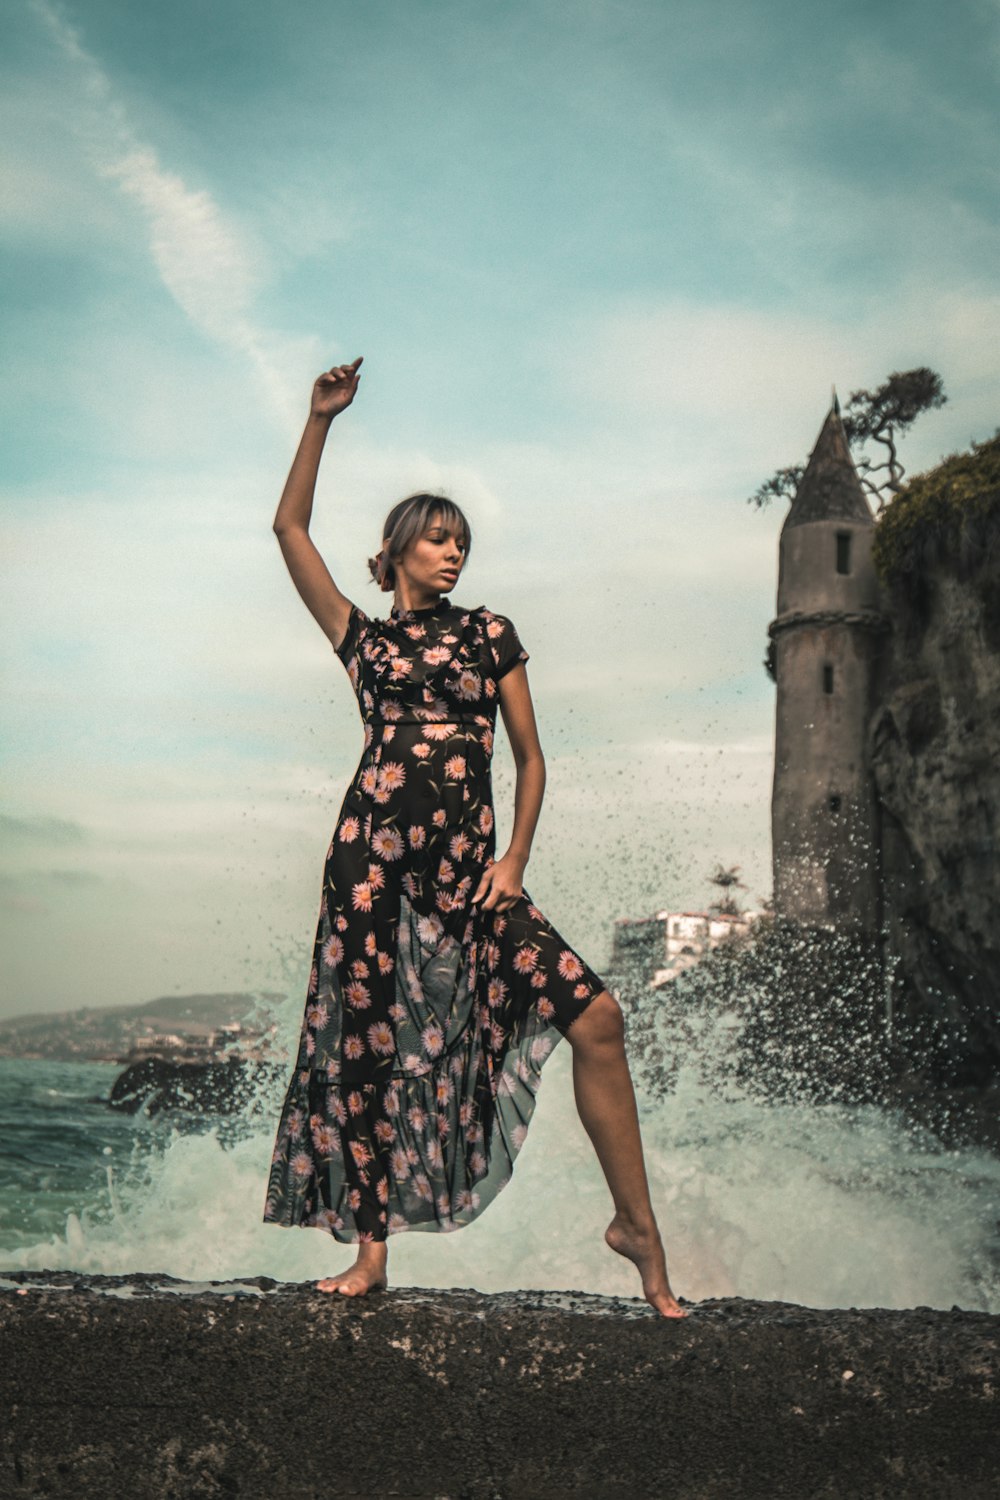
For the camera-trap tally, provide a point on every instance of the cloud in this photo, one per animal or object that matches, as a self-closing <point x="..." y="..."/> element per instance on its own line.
<point x="211" y="268"/>
<point x="40" y="829"/>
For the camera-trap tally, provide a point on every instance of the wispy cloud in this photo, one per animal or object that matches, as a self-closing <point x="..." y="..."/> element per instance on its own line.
<point x="211" y="269"/>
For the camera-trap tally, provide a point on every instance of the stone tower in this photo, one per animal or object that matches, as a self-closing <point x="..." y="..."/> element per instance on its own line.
<point x="826" y="640"/>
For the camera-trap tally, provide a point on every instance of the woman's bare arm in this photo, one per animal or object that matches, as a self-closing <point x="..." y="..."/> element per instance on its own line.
<point x="333" y="392"/>
<point x="502" y="881"/>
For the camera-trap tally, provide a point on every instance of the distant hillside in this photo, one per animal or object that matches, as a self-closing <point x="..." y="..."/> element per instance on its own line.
<point x="105" y="1033"/>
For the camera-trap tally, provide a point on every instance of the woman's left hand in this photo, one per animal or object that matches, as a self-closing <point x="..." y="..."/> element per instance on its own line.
<point x="501" y="883"/>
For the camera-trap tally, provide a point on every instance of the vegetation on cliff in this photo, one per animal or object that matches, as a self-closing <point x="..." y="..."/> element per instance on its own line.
<point x="950" y="511"/>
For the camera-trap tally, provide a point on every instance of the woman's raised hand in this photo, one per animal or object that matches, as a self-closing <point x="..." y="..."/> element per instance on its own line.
<point x="335" y="388"/>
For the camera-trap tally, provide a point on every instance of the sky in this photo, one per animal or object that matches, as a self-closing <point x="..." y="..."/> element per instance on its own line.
<point x="604" y="260"/>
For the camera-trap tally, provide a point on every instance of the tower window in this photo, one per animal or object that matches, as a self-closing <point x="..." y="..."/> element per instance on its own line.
<point x="843" y="551"/>
<point x="827" y="677"/>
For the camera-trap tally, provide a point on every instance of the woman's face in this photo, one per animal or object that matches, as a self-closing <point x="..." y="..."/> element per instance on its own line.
<point x="434" y="560"/>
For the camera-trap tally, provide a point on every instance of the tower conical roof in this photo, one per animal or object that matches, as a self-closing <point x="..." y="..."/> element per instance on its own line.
<point x="830" y="489"/>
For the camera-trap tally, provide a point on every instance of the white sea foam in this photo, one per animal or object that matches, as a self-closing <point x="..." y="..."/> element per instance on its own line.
<point x="824" y="1206"/>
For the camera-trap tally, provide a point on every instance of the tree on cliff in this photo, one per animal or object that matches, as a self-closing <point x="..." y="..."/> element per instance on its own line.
<point x="878" y="416"/>
<point x="726" y="880"/>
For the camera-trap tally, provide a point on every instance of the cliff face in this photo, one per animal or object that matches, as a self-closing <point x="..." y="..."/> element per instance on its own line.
<point x="933" y="744"/>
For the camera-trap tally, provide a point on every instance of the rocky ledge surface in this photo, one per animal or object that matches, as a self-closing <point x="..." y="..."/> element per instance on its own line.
<point x="145" y="1386"/>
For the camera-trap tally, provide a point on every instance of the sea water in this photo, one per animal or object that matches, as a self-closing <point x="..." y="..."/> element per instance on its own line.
<point x="823" y="1205"/>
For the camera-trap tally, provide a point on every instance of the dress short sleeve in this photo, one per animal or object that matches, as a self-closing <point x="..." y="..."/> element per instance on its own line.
<point x="357" y="624"/>
<point x="505" y="643"/>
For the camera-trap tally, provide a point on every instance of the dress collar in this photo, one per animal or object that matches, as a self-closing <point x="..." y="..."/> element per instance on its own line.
<point x="440" y="607"/>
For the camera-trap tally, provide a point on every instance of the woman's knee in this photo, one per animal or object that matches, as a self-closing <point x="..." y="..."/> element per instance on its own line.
<point x="601" y="1024"/>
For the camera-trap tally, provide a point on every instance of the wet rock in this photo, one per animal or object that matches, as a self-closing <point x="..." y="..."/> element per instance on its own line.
<point x="146" y="1386"/>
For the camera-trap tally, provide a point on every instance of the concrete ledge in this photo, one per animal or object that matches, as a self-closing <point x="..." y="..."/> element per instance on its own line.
<point x="148" y="1388"/>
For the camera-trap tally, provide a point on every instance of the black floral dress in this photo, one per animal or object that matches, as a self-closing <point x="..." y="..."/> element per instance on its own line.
<point x="427" y="1018"/>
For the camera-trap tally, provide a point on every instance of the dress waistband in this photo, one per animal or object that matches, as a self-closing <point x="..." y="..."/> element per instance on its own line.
<point x="432" y="723"/>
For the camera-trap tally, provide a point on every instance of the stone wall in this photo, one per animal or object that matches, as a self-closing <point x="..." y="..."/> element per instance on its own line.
<point x="145" y="1388"/>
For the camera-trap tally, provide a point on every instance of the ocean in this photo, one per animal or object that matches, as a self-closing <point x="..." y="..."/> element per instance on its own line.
<point x="821" y="1205"/>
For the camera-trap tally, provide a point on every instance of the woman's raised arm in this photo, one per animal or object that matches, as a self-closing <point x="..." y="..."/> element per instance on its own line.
<point x="332" y="393"/>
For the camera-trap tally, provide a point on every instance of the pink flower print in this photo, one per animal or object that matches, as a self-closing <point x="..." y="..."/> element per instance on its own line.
<point x="333" y="950"/>
<point x="460" y="844"/>
<point x="435" y="655"/>
<point x="534" y="912"/>
<point x="399" y="1164"/>
<point x="362" y="896"/>
<point x="371" y="947"/>
<point x="401" y="668"/>
<point x="581" y="991"/>
<point x="349" y="830"/>
<point x="496" y="992"/>
<point x="443" y="1090"/>
<point x="369" y="779"/>
<point x="570" y="966"/>
<point x="358" y="996"/>
<point x="302" y="1164"/>
<point x="398" y="1012"/>
<point x="417" y="836"/>
<point x="486" y="819"/>
<point x="355" y="1103"/>
<point x="310" y="1045"/>
<point x="409" y="884"/>
<point x="313" y="980"/>
<point x="391" y="1101"/>
<point x="421" y="1183"/>
<point x="336" y="1107"/>
<point x="477" y="1161"/>
<point x="295" y="1122"/>
<point x="420" y="750"/>
<point x="492" y="954"/>
<point x="376" y="877"/>
<point x="381" y="1039"/>
<point x="443" y="1126"/>
<point x="465" y="1113"/>
<point x="359" y="968"/>
<point x="433" y="1040"/>
<point x="360" y="1152"/>
<point x="545" y="1008"/>
<point x="496" y="1036"/>
<point x="341" y="923"/>
<point x="525" y="959"/>
<point x="391" y="774"/>
<point x="416" y="632"/>
<point x="386" y="962"/>
<point x="430" y="929"/>
<point x="454" y="767"/>
<point x="385" y="1131"/>
<point x="439" y="731"/>
<point x="317" y="1016"/>
<point x="490" y="689"/>
<point x="469" y="685"/>
<point x="446" y="872"/>
<point x="438" y="817"/>
<point x="390" y="710"/>
<point x="324" y="1139"/>
<point x="388" y="843"/>
<point x="417" y="1116"/>
<point x="494" y="628"/>
<point x="354" y="1047"/>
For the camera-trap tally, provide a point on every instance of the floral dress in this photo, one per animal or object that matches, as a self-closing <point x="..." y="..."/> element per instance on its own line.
<point x="427" y="1018"/>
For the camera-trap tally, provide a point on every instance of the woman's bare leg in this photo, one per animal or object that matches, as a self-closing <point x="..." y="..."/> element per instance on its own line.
<point x="367" y="1272"/>
<point x="605" y="1100"/>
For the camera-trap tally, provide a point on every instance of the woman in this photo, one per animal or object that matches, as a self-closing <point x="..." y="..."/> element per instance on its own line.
<point x="438" y="987"/>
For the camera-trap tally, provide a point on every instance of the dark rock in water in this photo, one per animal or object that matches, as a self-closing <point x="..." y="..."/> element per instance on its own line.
<point x="140" y="1387"/>
<point x="155" y="1084"/>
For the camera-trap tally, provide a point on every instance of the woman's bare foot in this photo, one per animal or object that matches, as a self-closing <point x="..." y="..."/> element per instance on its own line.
<point x="641" y="1244"/>
<point x="367" y="1273"/>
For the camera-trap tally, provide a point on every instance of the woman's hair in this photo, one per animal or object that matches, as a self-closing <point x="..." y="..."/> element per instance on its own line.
<point x="407" y="520"/>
